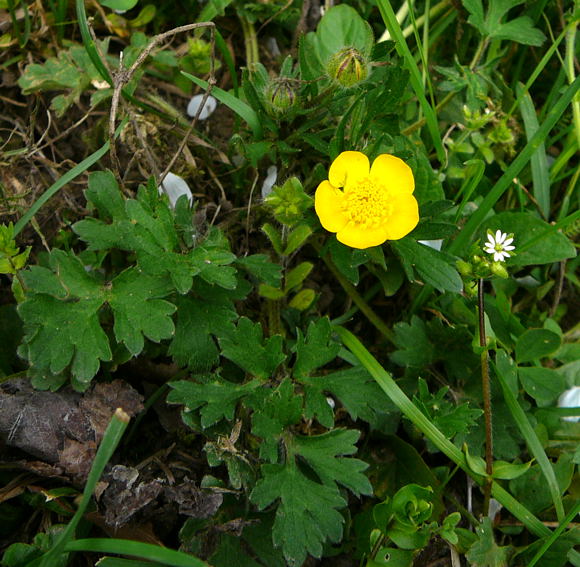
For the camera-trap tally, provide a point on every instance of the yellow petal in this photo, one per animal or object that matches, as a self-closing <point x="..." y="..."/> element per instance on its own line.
<point x="348" y="168"/>
<point x="393" y="173"/>
<point x="404" y="217"/>
<point x="358" y="236"/>
<point x="328" y="206"/>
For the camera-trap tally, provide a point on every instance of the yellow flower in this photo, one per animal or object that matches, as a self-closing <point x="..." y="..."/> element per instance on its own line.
<point x="375" y="204"/>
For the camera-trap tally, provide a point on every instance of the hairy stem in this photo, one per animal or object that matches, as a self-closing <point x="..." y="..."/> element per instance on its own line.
<point x="485" y="386"/>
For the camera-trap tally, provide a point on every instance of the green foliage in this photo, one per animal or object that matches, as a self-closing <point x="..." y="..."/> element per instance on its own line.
<point x="246" y="346"/>
<point x="119" y="4"/>
<point x="22" y="554"/>
<point x="450" y="418"/>
<point x="485" y="552"/>
<point x="288" y="202"/>
<point x="229" y="297"/>
<point x="307" y="514"/>
<point x="537" y="242"/>
<point x="71" y="71"/>
<point x="403" y="520"/>
<point x="519" y="29"/>
<point x="433" y="267"/>
<point x="341" y="27"/>
<point x="11" y="259"/>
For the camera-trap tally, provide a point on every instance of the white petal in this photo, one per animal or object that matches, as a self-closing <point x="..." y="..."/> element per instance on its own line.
<point x="570" y="399"/>
<point x="502" y="237"/>
<point x="506" y="254"/>
<point x="498" y="257"/>
<point x="208" y="108"/>
<point x="271" y="178"/>
<point x="498" y="236"/>
<point x="508" y="241"/>
<point x="174" y="187"/>
<point x="489" y="248"/>
<point x="509" y="247"/>
<point x="435" y="244"/>
<point x="490" y="239"/>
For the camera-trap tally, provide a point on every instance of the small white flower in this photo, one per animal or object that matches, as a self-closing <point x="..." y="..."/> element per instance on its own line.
<point x="207" y="109"/>
<point x="570" y="399"/>
<point x="498" y="245"/>
<point x="174" y="186"/>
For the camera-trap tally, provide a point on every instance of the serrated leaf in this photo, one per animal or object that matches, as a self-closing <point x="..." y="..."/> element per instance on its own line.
<point x="217" y="399"/>
<point x="307" y="511"/>
<point x="62" y="315"/>
<point x="147" y="226"/>
<point x="485" y="552"/>
<point x="315" y="349"/>
<point x="59" y="333"/>
<point x="414" y="346"/>
<point x="325" y="455"/>
<point x="246" y="347"/>
<point x="520" y="30"/>
<point x="63" y="329"/>
<point x="71" y="70"/>
<point x="197" y="320"/>
<point x="280" y="408"/>
<point x="357" y="391"/>
<point x="139" y="312"/>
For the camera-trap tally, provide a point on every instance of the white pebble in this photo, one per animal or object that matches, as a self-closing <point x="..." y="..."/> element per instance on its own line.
<point x="570" y="399"/>
<point x="174" y="187"/>
<point x="208" y="107"/>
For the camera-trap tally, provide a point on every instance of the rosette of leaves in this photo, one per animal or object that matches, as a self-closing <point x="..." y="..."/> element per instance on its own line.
<point x="143" y="262"/>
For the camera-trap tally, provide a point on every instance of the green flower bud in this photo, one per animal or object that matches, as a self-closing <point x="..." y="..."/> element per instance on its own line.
<point x="348" y="67"/>
<point x="280" y="96"/>
<point x="288" y="202"/>
<point x="464" y="268"/>
<point x="498" y="269"/>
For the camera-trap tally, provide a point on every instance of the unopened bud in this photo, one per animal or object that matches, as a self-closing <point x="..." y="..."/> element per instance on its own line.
<point x="280" y="96"/>
<point x="348" y="67"/>
<point x="464" y="268"/>
<point x="498" y="269"/>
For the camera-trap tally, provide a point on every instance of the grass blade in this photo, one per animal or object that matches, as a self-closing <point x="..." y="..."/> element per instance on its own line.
<point x="555" y="535"/>
<point x="400" y="399"/>
<point x="167" y="557"/>
<point x="403" y="50"/>
<point x="119" y="562"/>
<point x="531" y="438"/>
<point x="462" y="240"/>
<point x="228" y="59"/>
<point x="539" y="162"/>
<point x="246" y="112"/>
<point x="89" y="43"/>
<point x="111" y="439"/>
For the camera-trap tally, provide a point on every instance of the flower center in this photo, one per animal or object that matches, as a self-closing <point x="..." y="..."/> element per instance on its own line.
<point x="367" y="203"/>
